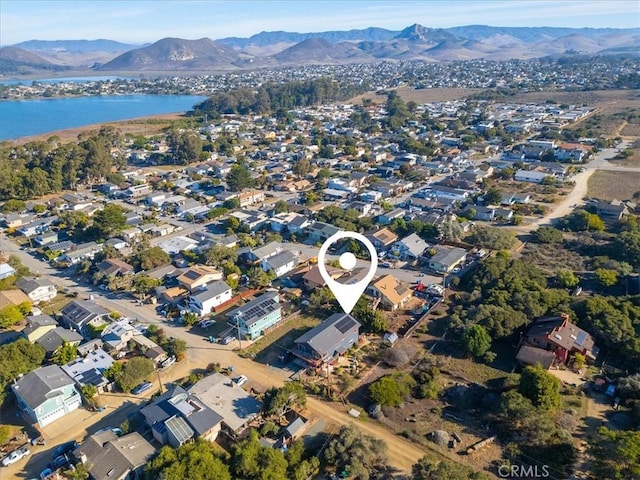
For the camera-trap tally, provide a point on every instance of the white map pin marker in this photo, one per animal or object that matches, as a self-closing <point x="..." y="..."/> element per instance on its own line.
<point x="347" y="294"/>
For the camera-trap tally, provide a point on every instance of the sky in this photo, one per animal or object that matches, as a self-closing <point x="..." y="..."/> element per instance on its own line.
<point x="142" y="21"/>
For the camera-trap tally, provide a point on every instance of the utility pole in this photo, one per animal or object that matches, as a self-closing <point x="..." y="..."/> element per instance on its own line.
<point x="159" y="380"/>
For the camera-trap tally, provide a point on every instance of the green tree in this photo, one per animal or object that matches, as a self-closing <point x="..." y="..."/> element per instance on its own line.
<point x="581" y="220"/>
<point x="281" y="207"/>
<point x="278" y="401"/>
<point x="539" y="386"/>
<point x="239" y="178"/>
<point x="10" y="315"/>
<point x="492" y="237"/>
<point x="391" y="390"/>
<point x="88" y="391"/>
<point x="372" y="320"/>
<point x="151" y="258"/>
<point x="13" y="205"/>
<point x="566" y="278"/>
<point x="616" y="454"/>
<point x="109" y="221"/>
<point x="80" y="472"/>
<point x="492" y="196"/>
<point x="301" y="168"/>
<point x="18" y="357"/>
<point x="143" y="285"/>
<point x="627" y="247"/>
<point x="198" y="460"/>
<point x="134" y="372"/>
<point x="218" y="255"/>
<point x="186" y="146"/>
<point x="427" y="469"/>
<point x="65" y="354"/>
<point x="355" y="452"/>
<point x="476" y="341"/>
<point x="190" y="319"/>
<point x="251" y="460"/>
<point x="259" y="278"/>
<point x="606" y="278"/>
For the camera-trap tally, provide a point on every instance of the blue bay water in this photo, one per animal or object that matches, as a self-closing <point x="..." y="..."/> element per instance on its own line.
<point x="21" y="118"/>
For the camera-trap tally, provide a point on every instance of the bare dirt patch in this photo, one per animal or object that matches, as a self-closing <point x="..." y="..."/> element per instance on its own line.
<point x="424" y="95"/>
<point x="609" y="185"/>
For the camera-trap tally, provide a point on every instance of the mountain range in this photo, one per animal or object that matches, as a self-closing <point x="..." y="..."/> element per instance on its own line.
<point x="269" y="49"/>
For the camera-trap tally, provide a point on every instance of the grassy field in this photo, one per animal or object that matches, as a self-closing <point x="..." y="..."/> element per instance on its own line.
<point x="424" y="95"/>
<point x="55" y="305"/>
<point x="608" y="185"/>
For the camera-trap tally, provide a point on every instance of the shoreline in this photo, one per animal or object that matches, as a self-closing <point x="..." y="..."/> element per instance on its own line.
<point x="138" y="125"/>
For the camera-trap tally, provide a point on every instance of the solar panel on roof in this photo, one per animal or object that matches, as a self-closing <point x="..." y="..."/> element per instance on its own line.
<point x="345" y="324"/>
<point x="191" y="275"/>
<point x="582" y="336"/>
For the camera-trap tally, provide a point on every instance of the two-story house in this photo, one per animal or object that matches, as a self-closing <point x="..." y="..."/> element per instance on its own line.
<point x="37" y="289"/>
<point x="46" y="394"/>
<point x="410" y="247"/>
<point x="80" y="314"/>
<point x="198" y="276"/>
<point x="37" y="326"/>
<point x="281" y="263"/>
<point x="255" y="317"/>
<point x="381" y="238"/>
<point x="325" y="342"/>
<point x="204" y="300"/>
<point x="393" y="294"/>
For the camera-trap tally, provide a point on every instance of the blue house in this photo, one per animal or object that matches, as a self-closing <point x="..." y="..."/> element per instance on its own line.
<point x="258" y="315"/>
<point x="324" y="343"/>
<point x="46" y="394"/>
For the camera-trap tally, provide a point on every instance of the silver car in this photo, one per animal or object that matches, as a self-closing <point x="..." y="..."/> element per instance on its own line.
<point x="16" y="456"/>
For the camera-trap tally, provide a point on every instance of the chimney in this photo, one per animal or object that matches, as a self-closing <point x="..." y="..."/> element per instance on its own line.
<point x="83" y="458"/>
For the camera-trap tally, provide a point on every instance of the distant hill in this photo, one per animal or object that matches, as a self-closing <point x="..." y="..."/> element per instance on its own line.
<point x="264" y="39"/>
<point x="79" y="46"/>
<point x="271" y="49"/>
<point x="175" y="54"/>
<point x="318" y="50"/>
<point x="16" y="61"/>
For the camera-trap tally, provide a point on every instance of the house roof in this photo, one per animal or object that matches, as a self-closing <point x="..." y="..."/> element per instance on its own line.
<point x="6" y="270"/>
<point x="268" y="250"/>
<point x="531" y="355"/>
<point x="212" y="290"/>
<point x="313" y="276"/>
<point x="36" y="387"/>
<point x="383" y="235"/>
<point x="179" y="402"/>
<point x="325" y="337"/>
<point x="53" y="339"/>
<point x="392" y="290"/>
<point x="79" y="311"/>
<point x="13" y="297"/>
<point x="414" y="244"/>
<point x="197" y="273"/>
<point x="115" y="266"/>
<point x="111" y="457"/>
<point x="448" y="255"/>
<point x="30" y="284"/>
<point x="232" y="403"/>
<point x="257" y="309"/>
<point x="281" y="259"/>
<point x="560" y="331"/>
<point x="179" y="428"/>
<point x="36" y="321"/>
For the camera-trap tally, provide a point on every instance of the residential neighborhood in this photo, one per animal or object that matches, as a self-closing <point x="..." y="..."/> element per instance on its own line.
<point x="168" y="299"/>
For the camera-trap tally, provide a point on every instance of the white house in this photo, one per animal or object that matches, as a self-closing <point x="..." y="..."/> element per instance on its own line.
<point x="531" y="176"/>
<point x="205" y="300"/>
<point x="281" y="263"/>
<point x="37" y="289"/>
<point x="410" y="247"/>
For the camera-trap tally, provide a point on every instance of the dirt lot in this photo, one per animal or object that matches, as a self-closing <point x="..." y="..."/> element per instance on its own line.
<point x="425" y="95"/>
<point x="609" y="185"/>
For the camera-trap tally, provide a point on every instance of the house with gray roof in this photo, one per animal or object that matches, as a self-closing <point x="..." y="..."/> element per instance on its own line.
<point x="257" y="316"/>
<point x="46" y="394"/>
<point x="325" y="342"/>
<point x="79" y="314"/>
<point x="411" y="247"/>
<point x="281" y="263"/>
<point x="177" y="416"/>
<point x="89" y="370"/>
<point x="109" y="457"/>
<point x="53" y="340"/>
<point x="204" y="300"/>
<point x="37" y="326"/>
<point x="236" y="407"/>
<point x="447" y="258"/>
<point x="37" y="289"/>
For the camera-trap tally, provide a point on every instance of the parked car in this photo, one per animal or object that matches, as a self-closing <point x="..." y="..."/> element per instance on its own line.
<point x="16" y="456"/>
<point x="241" y="380"/>
<point x="206" y="323"/>
<point x="60" y="461"/>
<point x="227" y="340"/>
<point x="64" y="448"/>
<point x="143" y="387"/>
<point x="46" y="473"/>
<point x="169" y="361"/>
<point x="115" y="430"/>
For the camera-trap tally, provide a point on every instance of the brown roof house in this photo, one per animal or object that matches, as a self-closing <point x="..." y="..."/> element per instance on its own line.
<point x="199" y="276"/>
<point x="555" y="339"/>
<point x="381" y="238"/>
<point x="112" y="267"/>
<point x="393" y="294"/>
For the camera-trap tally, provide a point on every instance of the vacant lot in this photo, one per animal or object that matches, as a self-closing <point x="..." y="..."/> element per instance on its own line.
<point x="425" y="95"/>
<point x="608" y="185"/>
